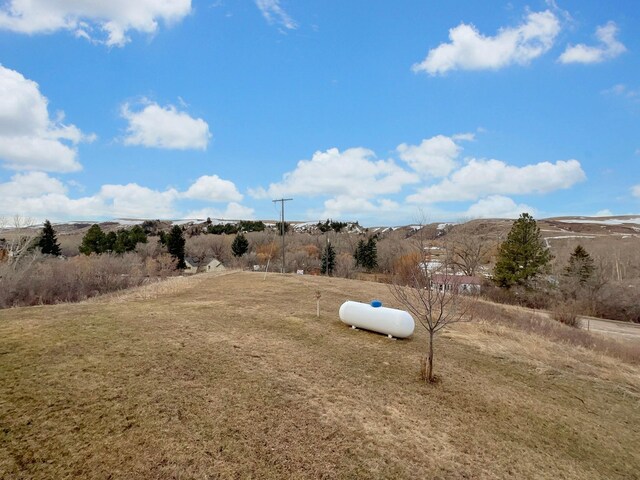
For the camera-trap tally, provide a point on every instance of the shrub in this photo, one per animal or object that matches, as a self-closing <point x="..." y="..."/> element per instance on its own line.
<point x="54" y="280"/>
<point x="567" y="314"/>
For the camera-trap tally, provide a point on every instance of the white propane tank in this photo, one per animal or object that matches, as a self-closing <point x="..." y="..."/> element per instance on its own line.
<point x="392" y="322"/>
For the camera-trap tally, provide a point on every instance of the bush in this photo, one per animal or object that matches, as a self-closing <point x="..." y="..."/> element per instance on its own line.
<point x="53" y="280"/>
<point x="566" y="314"/>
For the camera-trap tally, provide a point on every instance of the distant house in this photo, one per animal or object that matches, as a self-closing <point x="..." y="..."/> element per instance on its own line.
<point x="213" y="265"/>
<point x="191" y="265"/>
<point x="463" y="283"/>
<point x="194" y="265"/>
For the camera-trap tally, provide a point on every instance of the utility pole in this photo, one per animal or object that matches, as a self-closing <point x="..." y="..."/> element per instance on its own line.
<point x="282" y="200"/>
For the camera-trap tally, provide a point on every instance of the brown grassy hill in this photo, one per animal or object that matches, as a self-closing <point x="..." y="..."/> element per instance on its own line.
<point x="235" y="377"/>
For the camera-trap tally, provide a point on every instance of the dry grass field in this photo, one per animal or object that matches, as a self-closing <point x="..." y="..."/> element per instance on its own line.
<point x="234" y="376"/>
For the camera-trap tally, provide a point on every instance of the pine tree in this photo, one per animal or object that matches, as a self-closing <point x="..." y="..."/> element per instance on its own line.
<point x="93" y="241"/>
<point x="366" y="254"/>
<point x="580" y="266"/>
<point x="523" y="255"/>
<point x="371" y="255"/>
<point x="328" y="260"/>
<point x="360" y="254"/>
<point x="48" y="243"/>
<point x="175" y="245"/>
<point x="240" y="245"/>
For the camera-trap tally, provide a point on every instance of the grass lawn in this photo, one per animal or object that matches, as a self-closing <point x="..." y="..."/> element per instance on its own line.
<point x="234" y="376"/>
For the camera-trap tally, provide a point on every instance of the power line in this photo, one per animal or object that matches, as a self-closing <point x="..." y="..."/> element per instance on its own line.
<point x="282" y="200"/>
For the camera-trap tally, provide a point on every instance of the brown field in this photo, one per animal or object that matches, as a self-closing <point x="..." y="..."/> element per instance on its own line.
<point x="233" y="376"/>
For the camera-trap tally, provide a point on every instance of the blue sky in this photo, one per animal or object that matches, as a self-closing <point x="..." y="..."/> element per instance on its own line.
<point x="374" y="111"/>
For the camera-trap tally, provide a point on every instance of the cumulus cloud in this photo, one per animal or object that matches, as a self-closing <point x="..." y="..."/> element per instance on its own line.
<point x="233" y="211"/>
<point x="214" y="189"/>
<point x="274" y="13"/>
<point x="353" y="179"/>
<point x="468" y="49"/>
<point x="345" y="206"/>
<point x="434" y="157"/>
<point x="29" y="138"/>
<point x="486" y="177"/>
<point x="608" y="48"/>
<point x="36" y="194"/>
<point x="114" y="19"/>
<point x="133" y="200"/>
<point x="498" y="206"/>
<point x="164" y="127"/>
<point x="354" y="172"/>
<point x="635" y="190"/>
<point x="31" y="184"/>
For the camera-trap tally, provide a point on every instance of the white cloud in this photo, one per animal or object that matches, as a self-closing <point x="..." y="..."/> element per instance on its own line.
<point x="214" y="189"/>
<point x="354" y="179"/>
<point x="133" y="200"/>
<point x="344" y="206"/>
<point x="497" y="206"/>
<point x="603" y="213"/>
<point x="164" y="127"/>
<point x="434" y="157"/>
<point x="353" y="173"/>
<point x="29" y="139"/>
<point x="114" y="18"/>
<point x="486" y="177"/>
<point x="635" y="190"/>
<point x="233" y="211"/>
<point x="35" y="194"/>
<point x="274" y="13"/>
<point x="622" y="90"/>
<point x="609" y="47"/>
<point x="31" y="184"/>
<point x="470" y="50"/>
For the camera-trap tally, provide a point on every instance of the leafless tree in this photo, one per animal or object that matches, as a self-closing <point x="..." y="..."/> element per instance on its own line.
<point x="20" y="236"/>
<point x="435" y="299"/>
<point x="468" y="251"/>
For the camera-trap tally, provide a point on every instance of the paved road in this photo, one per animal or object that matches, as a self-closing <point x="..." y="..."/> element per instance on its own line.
<point x="623" y="330"/>
<point x="630" y="331"/>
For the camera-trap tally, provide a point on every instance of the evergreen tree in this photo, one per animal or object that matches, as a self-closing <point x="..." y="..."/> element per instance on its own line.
<point x="580" y="266"/>
<point x="371" y="254"/>
<point x="366" y="254"/>
<point x="240" y="245"/>
<point x="360" y="254"/>
<point x="93" y="241"/>
<point x="109" y="243"/>
<point x="523" y="255"/>
<point x="126" y="240"/>
<point x="175" y="245"/>
<point x="48" y="243"/>
<point x="137" y="235"/>
<point x="328" y="260"/>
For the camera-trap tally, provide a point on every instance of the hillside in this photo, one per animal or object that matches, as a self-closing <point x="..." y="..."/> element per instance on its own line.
<point x="234" y="377"/>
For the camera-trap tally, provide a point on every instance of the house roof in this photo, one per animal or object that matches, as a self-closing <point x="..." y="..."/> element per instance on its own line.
<point x="195" y="262"/>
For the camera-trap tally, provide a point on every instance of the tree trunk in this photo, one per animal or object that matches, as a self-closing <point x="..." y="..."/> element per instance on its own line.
<point x="423" y="368"/>
<point x="430" y="359"/>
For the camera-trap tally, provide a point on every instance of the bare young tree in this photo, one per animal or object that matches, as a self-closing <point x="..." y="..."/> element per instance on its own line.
<point x="20" y="236"/>
<point x="436" y="299"/>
